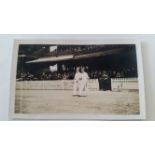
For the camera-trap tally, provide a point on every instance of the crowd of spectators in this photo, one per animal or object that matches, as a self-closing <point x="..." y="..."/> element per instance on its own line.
<point x="68" y="75"/>
<point x="27" y="76"/>
<point x="123" y="73"/>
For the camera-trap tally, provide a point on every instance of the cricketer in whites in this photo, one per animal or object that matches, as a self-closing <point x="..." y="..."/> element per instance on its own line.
<point x="80" y="82"/>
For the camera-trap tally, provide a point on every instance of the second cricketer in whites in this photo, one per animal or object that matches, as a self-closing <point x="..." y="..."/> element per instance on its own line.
<point x="84" y="83"/>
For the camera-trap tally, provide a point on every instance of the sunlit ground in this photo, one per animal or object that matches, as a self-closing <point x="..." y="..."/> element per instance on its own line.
<point x="62" y="102"/>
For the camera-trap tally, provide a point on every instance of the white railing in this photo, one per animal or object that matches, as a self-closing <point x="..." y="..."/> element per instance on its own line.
<point x="121" y="84"/>
<point x="54" y="84"/>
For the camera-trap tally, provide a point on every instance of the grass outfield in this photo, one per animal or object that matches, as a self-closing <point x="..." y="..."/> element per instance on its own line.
<point x="61" y="101"/>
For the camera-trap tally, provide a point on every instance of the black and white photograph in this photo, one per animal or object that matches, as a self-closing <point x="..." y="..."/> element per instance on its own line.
<point x="77" y="80"/>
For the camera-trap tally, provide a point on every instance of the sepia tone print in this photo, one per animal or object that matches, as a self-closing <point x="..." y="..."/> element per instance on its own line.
<point x="77" y="79"/>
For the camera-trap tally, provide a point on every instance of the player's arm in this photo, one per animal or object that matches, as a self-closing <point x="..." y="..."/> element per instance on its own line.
<point x="88" y="76"/>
